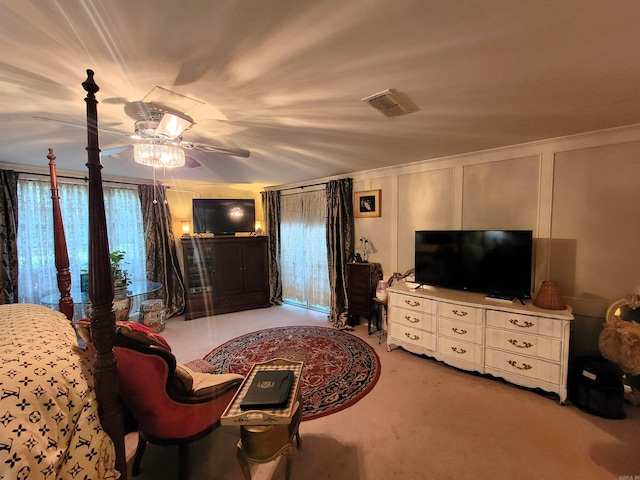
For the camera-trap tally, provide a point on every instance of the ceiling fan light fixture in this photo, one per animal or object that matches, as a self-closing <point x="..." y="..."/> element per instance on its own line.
<point x="158" y="155"/>
<point x="171" y="126"/>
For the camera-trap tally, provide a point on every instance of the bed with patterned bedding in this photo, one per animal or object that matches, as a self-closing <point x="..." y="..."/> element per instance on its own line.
<point x="49" y="425"/>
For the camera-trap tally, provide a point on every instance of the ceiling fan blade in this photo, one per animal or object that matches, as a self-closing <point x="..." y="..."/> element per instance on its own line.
<point x="191" y="162"/>
<point x="115" y="150"/>
<point x="234" y="152"/>
<point x="80" y="125"/>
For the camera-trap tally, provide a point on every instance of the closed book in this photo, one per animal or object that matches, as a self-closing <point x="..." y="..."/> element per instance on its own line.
<point x="268" y="389"/>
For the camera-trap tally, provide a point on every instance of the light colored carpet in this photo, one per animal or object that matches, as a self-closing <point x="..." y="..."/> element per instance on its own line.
<point x="423" y="420"/>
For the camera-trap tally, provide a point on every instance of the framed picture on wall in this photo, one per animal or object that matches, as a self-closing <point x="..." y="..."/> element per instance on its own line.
<point x="367" y="203"/>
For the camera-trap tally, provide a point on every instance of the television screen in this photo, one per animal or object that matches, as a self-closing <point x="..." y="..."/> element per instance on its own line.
<point x="223" y="216"/>
<point x="495" y="262"/>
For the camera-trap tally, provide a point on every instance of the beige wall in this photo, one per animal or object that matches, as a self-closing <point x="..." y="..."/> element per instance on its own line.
<point x="578" y="195"/>
<point x="180" y="196"/>
<point x="596" y="222"/>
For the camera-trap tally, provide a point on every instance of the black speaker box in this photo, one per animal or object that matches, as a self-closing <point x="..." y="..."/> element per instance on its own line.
<point x="595" y="386"/>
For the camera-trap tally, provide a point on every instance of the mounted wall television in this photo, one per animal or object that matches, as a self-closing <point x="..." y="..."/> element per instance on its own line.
<point x="223" y="216"/>
<point x="495" y="262"/>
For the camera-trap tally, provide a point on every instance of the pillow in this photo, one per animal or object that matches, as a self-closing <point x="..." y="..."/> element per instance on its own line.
<point x="141" y="333"/>
<point x="205" y="384"/>
<point x="135" y="331"/>
<point x="185" y="378"/>
<point x="201" y="366"/>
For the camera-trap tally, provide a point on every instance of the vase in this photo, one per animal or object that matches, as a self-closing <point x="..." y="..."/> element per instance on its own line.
<point x="381" y="290"/>
<point x="121" y="309"/>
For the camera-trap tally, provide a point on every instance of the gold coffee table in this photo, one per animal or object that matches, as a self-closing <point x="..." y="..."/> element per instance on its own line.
<point x="266" y="434"/>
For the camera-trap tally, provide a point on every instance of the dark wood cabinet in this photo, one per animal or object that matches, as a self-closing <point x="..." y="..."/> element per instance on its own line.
<point x="362" y="279"/>
<point x="225" y="274"/>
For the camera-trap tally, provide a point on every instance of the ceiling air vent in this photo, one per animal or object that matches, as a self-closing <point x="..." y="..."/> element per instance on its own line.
<point x="388" y="103"/>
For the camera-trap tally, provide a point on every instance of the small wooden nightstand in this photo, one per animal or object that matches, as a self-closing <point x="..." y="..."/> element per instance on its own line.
<point x="362" y="279"/>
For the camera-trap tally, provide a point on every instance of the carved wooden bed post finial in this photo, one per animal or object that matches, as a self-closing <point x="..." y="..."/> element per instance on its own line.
<point x="60" y="244"/>
<point x="101" y="288"/>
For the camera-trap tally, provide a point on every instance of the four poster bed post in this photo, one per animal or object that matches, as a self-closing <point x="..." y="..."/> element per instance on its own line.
<point x="60" y="244"/>
<point x="69" y="421"/>
<point x="101" y="289"/>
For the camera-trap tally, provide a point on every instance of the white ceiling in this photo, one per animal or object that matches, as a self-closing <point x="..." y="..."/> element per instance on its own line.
<point x="284" y="78"/>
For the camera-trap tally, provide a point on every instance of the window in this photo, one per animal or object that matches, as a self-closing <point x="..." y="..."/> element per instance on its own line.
<point x="36" y="268"/>
<point x="303" y="258"/>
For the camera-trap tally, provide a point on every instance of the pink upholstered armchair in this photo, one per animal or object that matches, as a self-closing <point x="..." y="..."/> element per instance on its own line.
<point x="170" y="404"/>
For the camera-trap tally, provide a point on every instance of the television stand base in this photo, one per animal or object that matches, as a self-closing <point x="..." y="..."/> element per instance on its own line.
<point x="495" y="297"/>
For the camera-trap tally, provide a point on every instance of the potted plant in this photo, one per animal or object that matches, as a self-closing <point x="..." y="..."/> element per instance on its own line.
<point x="121" y="300"/>
<point x="119" y="274"/>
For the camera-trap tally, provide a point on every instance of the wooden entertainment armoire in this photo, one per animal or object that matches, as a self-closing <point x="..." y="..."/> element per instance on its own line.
<point x="225" y="274"/>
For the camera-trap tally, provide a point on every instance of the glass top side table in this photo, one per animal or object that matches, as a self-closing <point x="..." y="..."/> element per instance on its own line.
<point x="121" y="303"/>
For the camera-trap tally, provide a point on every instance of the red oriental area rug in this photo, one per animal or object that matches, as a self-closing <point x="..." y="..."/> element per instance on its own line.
<point x="339" y="368"/>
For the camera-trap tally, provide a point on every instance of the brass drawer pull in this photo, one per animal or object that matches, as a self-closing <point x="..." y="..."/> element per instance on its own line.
<point x="459" y="332"/>
<point x="411" y="336"/>
<point x="461" y="351"/>
<point x="514" y="322"/>
<point x="524" y="366"/>
<point x="412" y="303"/>
<point x="411" y="319"/>
<point x="460" y="313"/>
<point x="514" y="342"/>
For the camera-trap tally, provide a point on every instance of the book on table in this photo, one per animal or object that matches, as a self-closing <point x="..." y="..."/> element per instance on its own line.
<point x="268" y="389"/>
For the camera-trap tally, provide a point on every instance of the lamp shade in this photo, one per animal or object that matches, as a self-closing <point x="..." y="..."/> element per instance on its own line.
<point x="171" y="126"/>
<point x="549" y="297"/>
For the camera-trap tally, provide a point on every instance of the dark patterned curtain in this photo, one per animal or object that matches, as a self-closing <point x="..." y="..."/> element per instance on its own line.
<point x="339" y="245"/>
<point x="8" y="231"/>
<point x="271" y="209"/>
<point x="162" y="258"/>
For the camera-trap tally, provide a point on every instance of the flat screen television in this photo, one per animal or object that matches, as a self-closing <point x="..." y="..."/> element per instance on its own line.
<point x="223" y="216"/>
<point x="495" y="262"/>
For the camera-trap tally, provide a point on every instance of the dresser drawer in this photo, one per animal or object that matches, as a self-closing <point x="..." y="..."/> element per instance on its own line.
<point x="418" y="320"/>
<point x="498" y="360"/>
<point x="460" y="312"/>
<point x="521" y="343"/>
<point x="468" y="352"/>
<point x="469" y="332"/>
<point x="408" y="302"/>
<point x="525" y="323"/>
<point x="413" y="336"/>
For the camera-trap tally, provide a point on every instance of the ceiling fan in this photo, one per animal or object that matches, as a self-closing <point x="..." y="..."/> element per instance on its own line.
<point x="160" y="122"/>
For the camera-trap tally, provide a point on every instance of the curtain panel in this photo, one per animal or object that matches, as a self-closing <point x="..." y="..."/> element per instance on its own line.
<point x="162" y="258"/>
<point x="271" y="209"/>
<point x="303" y="260"/>
<point x="36" y="258"/>
<point x="8" y="233"/>
<point x="340" y="245"/>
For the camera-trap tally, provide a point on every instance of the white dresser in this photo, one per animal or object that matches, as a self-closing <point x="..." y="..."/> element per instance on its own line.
<point x="523" y="344"/>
